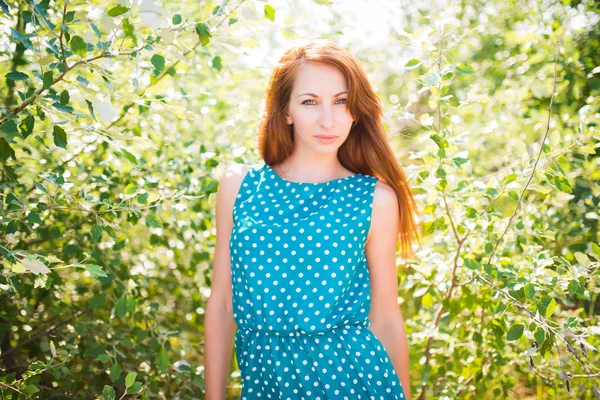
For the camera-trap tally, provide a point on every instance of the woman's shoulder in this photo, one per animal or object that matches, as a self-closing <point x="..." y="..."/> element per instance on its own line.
<point x="236" y="172"/>
<point x="233" y="177"/>
<point x="384" y="195"/>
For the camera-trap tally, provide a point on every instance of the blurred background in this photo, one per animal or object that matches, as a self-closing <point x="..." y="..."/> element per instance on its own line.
<point x="119" y="117"/>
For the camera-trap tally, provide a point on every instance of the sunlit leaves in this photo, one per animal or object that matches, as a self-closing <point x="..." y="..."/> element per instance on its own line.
<point x="78" y="46"/>
<point x="216" y="63"/>
<point x="118" y="10"/>
<point x="465" y="69"/>
<point x="203" y="33"/>
<point x="269" y="12"/>
<point x="130" y="157"/>
<point x="35" y="266"/>
<point x="95" y="270"/>
<point x="176" y="19"/>
<point x="131" y="384"/>
<point x="27" y="126"/>
<point x="412" y="64"/>
<point x="158" y="62"/>
<point x="153" y="221"/>
<point x="143" y="198"/>
<point x="546" y="306"/>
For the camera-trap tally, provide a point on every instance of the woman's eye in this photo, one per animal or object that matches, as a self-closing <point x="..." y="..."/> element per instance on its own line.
<point x="305" y="102"/>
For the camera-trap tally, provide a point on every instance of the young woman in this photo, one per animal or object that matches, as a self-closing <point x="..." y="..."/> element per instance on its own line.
<point x="305" y="260"/>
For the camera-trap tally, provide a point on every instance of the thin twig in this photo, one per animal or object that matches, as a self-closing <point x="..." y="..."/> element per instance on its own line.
<point x="512" y="217"/>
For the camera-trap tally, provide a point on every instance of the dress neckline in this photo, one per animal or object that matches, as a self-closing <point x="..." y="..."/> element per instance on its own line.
<point x="276" y="175"/>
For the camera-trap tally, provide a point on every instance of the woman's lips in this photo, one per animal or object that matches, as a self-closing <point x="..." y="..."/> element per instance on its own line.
<point x="326" y="139"/>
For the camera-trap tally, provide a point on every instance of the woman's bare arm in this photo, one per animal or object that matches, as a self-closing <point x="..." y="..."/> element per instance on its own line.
<point x="386" y="318"/>
<point x="219" y="325"/>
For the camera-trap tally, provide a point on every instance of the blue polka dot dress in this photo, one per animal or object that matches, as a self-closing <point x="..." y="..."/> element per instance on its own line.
<point x="301" y="292"/>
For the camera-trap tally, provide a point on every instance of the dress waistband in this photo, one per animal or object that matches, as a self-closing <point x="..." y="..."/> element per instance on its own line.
<point x="300" y="332"/>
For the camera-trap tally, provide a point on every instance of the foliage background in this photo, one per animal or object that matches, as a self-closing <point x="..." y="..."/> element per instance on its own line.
<point x="118" y="117"/>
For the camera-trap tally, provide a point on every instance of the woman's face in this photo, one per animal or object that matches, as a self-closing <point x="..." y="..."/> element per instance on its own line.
<point x="317" y="107"/>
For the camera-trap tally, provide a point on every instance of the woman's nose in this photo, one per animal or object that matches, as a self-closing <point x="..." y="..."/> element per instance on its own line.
<point x="326" y="119"/>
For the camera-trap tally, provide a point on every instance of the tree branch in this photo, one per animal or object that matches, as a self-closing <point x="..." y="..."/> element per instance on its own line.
<point x="46" y="332"/>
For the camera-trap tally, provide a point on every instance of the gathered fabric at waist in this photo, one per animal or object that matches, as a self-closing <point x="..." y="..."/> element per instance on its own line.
<point x="251" y="330"/>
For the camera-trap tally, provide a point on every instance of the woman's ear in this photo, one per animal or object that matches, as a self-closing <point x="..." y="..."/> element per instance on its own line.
<point x="288" y="119"/>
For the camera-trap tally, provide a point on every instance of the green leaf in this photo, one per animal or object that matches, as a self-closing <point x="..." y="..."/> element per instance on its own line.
<point x="95" y="270"/>
<point x="69" y="17"/>
<point x="130" y="189"/>
<point x="510" y="178"/>
<point x="111" y="232"/>
<point x="130" y="157"/>
<point x="82" y="80"/>
<point x="10" y="127"/>
<point x="573" y="287"/>
<point x="427" y="300"/>
<point x="216" y="63"/>
<point x="176" y="19"/>
<point x="41" y="187"/>
<point x="130" y="379"/>
<point x="48" y="79"/>
<point x="153" y="221"/>
<point x="31" y="389"/>
<point x="98" y="300"/>
<point x="115" y="372"/>
<point x="269" y="12"/>
<point x="459" y="161"/>
<point x="162" y="360"/>
<point x="515" y="332"/>
<point x="551" y="307"/>
<point x="529" y="291"/>
<point x="472" y="264"/>
<point x="96" y="232"/>
<point x="34" y="218"/>
<point x="143" y="198"/>
<point x="582" y="259"/>
<point x="109" y="393"/>
<point x="488" y="248"/>
<point x="159" y="63"/>
<point x="60" y="136"/>
<point x="539" y="336"/>
<point x="27" y="126"/>
<point x="596" y="249"/>
<point x="90" y="107"/>
<point x="78" y="46"/>
<point x="16" y="76"/>
<point x="64" y="98"/>
<point x="411" y="64"/>
<point x="203" y="33"/>
<point x="121" y="307"/>
<point x="137" y="386"/>
<point x="118" y="10"/>
<point x="465" y="69"/>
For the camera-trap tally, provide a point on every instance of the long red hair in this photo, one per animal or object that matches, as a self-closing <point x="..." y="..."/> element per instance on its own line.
<point x="366" y="150"/>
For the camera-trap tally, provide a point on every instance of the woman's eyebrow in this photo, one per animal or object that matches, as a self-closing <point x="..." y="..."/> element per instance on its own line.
<point x="314" y="95"/>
